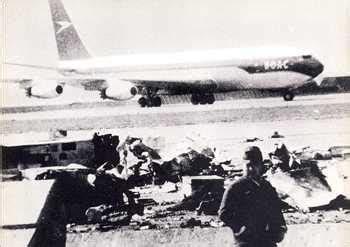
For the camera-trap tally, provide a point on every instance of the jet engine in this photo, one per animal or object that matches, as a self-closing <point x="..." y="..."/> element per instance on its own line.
<point x="119" y="90"/>
<point x="44" y="89"/>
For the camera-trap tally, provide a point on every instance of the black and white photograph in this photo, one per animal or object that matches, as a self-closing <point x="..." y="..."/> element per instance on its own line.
<point x="144" y="123"/>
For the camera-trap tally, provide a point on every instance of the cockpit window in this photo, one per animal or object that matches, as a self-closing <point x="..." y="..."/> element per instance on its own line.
<point x="306" y="56"/>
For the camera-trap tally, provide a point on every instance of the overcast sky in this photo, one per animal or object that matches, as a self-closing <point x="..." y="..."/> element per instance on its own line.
<point x="112" y="27"/>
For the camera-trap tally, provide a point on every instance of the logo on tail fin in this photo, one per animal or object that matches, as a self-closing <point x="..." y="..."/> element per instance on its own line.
<point x="63" y="25"/>
<point x="69" y="44"/>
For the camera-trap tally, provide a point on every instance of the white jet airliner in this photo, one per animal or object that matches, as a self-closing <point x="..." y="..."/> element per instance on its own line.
<point x="198" y="73"/>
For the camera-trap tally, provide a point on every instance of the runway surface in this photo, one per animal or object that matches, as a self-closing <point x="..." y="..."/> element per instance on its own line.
<point x="184" y="107"/>
<point x="318" y="107"/>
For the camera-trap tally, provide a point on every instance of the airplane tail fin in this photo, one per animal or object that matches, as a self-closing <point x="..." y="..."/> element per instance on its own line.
<point x="68" y="43"/>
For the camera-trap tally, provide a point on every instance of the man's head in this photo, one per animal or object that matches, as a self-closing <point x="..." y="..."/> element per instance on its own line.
<point x="254" y="161"/>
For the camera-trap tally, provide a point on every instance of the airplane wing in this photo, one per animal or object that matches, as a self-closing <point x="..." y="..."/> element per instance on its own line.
<point x="21" y="82"/>
<point x="85" y="83"/>
<point x="111" y="88"/>
<point x="172" y="80"/>
<point x="35" y="66"/>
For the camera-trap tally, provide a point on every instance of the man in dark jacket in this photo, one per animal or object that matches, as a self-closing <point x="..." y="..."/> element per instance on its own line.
<point x="251" y="207"/>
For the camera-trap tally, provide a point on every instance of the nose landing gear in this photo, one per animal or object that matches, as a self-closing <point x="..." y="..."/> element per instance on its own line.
<point x="288" y="95"/>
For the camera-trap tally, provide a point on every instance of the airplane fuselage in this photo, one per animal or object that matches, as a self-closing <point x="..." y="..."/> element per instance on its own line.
<point x="228" y="69"/>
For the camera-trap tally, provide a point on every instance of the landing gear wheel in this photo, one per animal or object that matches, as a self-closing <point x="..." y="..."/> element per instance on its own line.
<point x="150" y="101"/>
<point x="288" y="96"/>
<point x="203" y="99"/>
<point x="150" y="97"/>
<point x="142" y="102"/>
<point x="156" y="101"/>
<point x="195" y="99"/>
<point x="210" y="99"/>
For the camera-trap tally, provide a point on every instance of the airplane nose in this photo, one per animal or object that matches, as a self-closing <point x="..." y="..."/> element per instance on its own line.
<point x="316" y="67"/>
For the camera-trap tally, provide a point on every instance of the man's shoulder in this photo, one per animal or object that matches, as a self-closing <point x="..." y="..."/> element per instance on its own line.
<point x="242" y="182"/>
<point x="268" y="186"/>
<point x="266" y="183"/>
<point x="246" y="181"/>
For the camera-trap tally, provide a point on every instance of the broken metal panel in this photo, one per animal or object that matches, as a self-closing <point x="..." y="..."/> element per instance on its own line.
<point x="47" y="154"/>
<point x="23" y="209"/>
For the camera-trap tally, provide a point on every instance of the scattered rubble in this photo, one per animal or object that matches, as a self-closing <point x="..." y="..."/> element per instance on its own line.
<point x="277" y="135"/>
<point x="254" y="139"/>
<point x="340" y="151"/>
<point x="206" y="194"/>
<point x="57" y="133"/>
<point x="306" y="180"/>
<point x="192" y="222"/>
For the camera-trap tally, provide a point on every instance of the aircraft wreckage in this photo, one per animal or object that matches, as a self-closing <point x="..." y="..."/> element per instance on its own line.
<point x="120" y="183"/>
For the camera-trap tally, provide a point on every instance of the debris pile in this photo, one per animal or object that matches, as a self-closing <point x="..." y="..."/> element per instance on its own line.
<point x="205" y="197"/>
<point x="305" y="179"/>
<point x="302" y="178"/>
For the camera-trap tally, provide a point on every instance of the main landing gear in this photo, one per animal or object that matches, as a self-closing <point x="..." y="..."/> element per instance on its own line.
<point x="149" y="101"/>
<point x="202" y="99"/>
<point x="149" y="98"/>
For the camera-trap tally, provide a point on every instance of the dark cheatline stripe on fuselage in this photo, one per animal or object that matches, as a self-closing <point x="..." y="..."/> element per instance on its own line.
<point x="306" y="65"/>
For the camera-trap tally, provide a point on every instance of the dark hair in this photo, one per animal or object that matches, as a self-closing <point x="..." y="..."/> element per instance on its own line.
<point x="253" y="154"/>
